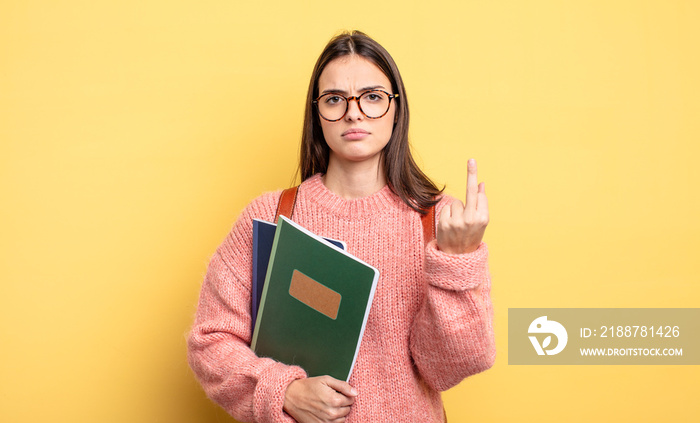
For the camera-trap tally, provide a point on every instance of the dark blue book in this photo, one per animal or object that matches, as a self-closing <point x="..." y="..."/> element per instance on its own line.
<point x="263" y="237"/>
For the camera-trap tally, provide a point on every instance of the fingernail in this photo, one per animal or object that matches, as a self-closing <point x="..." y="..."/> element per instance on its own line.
<point x="353" y="392"/>
<point x="472" y="162"/>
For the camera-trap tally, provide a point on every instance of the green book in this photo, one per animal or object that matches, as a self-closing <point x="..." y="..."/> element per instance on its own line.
<point x="314" y="304"/>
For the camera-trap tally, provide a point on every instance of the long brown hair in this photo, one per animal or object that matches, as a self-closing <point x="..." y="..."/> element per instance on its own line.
<point x="402" y="173"/>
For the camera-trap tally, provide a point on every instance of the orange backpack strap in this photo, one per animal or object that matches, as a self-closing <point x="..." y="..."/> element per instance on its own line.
<point x="285" y="207"/>
<point x="428" y="221"/>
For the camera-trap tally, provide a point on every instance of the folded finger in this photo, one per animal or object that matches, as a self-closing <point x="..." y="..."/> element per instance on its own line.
<point x="456" y="208"/>
<point x="337" y="414"/>
<point x="483" y="203"/>
<point x="445" y="214"/>
<point x="472" y="185"/>
<point x="340" y="400"/>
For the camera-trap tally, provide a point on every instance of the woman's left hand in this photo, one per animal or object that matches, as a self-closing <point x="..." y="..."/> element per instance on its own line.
<point x="461" y="228"/>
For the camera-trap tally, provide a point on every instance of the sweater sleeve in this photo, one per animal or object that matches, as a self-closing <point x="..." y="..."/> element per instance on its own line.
<point x="452" y="335"/>
<point x="246" y="386"/>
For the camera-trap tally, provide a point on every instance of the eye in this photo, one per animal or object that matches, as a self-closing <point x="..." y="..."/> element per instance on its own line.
<point x="333" y="99"/>
<point x="374" y="96"/>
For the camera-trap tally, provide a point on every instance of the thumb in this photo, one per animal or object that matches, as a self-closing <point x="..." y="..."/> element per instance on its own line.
<point x="340" y="386"/>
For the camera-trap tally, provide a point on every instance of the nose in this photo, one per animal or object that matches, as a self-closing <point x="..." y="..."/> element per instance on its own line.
<point x="354" y="112"/>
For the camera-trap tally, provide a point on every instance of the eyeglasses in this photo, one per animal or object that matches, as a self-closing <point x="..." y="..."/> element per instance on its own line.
<point x="373" y="104"/>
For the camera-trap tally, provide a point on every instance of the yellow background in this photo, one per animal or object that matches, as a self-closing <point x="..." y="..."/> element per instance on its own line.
<point x="132" y="133"/>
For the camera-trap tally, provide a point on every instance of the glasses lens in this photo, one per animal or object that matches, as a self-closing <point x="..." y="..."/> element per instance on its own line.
<point x="374" y="104"/>
<point x="332" y="106"/>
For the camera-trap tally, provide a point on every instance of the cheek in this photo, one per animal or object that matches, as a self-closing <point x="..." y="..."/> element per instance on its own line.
<point x="392" y="117"/>
<point x="388" y="126"/>
<point x="327" y="129"/>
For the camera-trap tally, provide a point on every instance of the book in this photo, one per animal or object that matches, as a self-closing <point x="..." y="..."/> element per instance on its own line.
<point x="314" y="305"/>
<point x="263" y="236"/>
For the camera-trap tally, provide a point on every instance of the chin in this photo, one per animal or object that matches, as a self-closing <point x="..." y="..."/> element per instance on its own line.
<point x="357" y="157"/>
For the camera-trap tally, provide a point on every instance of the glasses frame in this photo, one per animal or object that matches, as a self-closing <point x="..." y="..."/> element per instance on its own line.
<point x="357" y="99"/>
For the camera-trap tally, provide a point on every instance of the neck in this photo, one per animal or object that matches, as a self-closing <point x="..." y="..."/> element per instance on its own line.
<point x="351" y="180"/>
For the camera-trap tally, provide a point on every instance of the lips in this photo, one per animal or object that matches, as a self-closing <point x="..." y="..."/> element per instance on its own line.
<point x="355" y="131"/>
<point x="355" y="134"/>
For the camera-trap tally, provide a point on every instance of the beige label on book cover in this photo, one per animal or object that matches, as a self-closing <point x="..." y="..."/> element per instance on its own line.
<point x="314" y="294"/>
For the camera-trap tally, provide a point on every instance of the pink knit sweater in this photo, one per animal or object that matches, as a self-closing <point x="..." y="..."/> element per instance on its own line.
<point x="430" y="324"/>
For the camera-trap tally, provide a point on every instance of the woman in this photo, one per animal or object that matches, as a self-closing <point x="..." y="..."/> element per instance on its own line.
<point x="430" y="324"/>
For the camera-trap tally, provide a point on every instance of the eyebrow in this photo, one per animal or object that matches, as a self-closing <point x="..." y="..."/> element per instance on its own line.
<point x="343" y="92"/>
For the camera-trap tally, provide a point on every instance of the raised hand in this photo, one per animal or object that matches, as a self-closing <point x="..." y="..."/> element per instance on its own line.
<point x="461" y="227"/>
<point x="319" y="399"/>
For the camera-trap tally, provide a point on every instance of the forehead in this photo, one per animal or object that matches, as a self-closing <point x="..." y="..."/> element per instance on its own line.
<point x="352" y="73"/>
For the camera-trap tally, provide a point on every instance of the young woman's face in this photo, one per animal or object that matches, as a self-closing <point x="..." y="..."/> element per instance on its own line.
<point x="355" y="137"/>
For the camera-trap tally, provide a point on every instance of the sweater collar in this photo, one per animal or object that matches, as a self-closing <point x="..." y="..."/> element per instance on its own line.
<point x="315" y="191"/>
